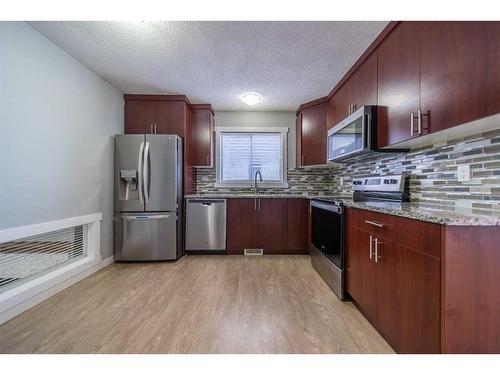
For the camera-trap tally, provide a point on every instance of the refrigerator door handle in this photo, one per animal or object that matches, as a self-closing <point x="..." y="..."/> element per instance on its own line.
<point x="146" y="217"/>
<point x="145" y="175"/>
<point x="140" y="171"/>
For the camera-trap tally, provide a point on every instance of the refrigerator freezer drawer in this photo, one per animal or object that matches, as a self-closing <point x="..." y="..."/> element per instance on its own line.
<point x="206" y="224"/>
<point x="146" y="236"/>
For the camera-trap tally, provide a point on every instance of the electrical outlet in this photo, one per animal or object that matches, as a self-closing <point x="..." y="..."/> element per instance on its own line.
<point x="463" y="172"/>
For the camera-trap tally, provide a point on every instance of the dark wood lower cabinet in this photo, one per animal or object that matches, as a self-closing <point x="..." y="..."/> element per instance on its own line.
<point x="241" y="225"/>
<point x="433" y="289"/>
<point x="470" y="308"/>
<point x="397" y="288"/>
<point x="276" y="225"/>
<point x="272" y="225"/>
<point x="361" y="272"/>
<point x="408" y="298"/>
<point x="297" y="224"/>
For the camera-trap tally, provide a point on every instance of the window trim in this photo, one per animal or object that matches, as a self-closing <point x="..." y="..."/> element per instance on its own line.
<point x="232" y="184"/>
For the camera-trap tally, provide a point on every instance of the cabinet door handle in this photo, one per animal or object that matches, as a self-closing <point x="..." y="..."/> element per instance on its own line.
<point x="371" y="246"/>
<point x="380" y="225"/>
<point x="419" y="121"/>
<point x="259" y="203"/>
<point x="302" y="160"/>
<point x="412" y="120"/>
<point x="376" y="250"/>
<point x="255" y="204"/>
<point x="156" y="132"/>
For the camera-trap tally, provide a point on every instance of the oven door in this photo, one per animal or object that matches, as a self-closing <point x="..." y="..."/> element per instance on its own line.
<point x="351" y="136"/>
<point x="327" y="231"/>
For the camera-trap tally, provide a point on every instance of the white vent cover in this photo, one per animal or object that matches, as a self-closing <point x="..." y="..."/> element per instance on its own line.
<point x="254" y="252"/>
<point x="25" y="258"/>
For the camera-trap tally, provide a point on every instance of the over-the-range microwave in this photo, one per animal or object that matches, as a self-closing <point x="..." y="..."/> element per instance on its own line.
<point x="354" y="135"/>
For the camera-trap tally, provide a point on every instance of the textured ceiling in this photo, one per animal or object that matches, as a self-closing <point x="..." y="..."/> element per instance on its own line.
<point x="288" y="63"/>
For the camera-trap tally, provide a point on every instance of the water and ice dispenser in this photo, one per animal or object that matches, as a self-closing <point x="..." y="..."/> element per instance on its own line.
<point x="128" y="185"/>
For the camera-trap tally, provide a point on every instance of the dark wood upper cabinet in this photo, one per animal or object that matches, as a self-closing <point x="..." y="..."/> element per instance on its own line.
<point x="398" y="85"/>
<point x="311" y="135"/>
<point x="298" y="140"/>
<point x="444" y="73"/>
<point x="338" y="106"/>
<point x="170" y="117"/>
<point x="359" y="90"/>
<point x="363" y="86"/>
<point x="149" y="114"/>
<point x="139" y="116"/>
<point x="460" y="72"/>
<point x="424" y="77"/>
<point x="202" y="127"/>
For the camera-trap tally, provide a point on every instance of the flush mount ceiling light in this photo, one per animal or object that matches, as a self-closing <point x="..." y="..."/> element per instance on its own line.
<point x="251" y="98"/>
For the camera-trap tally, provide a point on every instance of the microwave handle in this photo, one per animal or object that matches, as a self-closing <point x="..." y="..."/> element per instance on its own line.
<point x="367" y="136"/>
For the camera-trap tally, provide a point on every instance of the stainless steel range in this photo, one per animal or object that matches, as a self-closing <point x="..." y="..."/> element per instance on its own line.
<point x="393" y="188"/>
<point x="328" y="231"/>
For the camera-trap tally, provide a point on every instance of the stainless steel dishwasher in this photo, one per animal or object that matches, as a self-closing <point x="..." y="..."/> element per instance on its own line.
<point x="206" y="224"/>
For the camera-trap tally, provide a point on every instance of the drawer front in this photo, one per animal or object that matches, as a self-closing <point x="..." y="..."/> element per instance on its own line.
<point x="415" y="234"/>
<point x="376" y="223"/>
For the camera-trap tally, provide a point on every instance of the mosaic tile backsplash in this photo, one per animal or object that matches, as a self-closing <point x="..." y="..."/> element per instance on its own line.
<point x="318" y="181"/>
<point x="433" y="173"/>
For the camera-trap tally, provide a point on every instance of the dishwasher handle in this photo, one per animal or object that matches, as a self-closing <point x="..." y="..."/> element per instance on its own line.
<point x="206" y="202"/>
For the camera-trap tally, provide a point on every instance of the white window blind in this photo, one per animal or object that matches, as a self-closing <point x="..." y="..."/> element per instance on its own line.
<point x="242" y="154"/>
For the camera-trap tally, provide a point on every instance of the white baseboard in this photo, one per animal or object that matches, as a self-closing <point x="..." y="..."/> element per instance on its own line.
<point x="45" y="294"/>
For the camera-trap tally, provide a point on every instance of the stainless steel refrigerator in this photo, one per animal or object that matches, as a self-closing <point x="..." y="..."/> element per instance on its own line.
<point x="148" y="197"/>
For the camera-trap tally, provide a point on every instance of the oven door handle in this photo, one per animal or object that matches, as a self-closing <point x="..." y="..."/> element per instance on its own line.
<point x="328" y="207"/>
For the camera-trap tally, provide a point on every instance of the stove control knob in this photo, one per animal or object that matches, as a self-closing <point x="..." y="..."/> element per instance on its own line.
<point x="393" y="181"/>
<point x="387" y="181"/>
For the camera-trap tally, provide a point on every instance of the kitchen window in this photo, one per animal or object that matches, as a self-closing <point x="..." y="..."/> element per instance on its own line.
<point x="241" y="152"/>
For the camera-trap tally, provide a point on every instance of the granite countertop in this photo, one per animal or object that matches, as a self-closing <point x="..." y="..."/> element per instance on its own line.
<point x="438" y="214"/>
<point x="246" y="195"/>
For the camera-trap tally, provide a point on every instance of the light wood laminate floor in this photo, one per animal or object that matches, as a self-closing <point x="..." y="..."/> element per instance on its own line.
<point x="200" y="304"/>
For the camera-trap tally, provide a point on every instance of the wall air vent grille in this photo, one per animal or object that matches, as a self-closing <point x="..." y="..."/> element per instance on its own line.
<point x="26" y="258"/>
